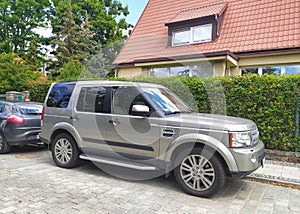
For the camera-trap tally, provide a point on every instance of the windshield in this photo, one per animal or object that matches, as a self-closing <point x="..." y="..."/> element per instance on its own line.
<point x="167" y="101"/>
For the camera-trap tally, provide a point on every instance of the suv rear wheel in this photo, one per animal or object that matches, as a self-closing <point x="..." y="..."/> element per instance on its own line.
<point x="199" y="173"/>
<point x="64" y="151"/>
<point x="4" y="147"/>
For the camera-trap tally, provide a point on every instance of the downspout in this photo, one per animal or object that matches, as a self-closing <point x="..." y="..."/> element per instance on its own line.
<point x="226" y="66"/>
<point x="218" y="24"/>
<point x="116" y="72"/>
<point x="297" y="125"/>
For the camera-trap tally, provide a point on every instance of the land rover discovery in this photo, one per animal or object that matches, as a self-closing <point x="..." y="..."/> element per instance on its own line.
<point x="146" y="127"/>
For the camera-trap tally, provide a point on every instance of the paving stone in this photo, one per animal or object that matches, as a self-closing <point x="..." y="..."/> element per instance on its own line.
<point x="36" y="185"/>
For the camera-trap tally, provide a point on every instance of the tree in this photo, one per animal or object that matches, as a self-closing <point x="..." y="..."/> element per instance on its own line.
<point x="102" y="16"/>
<point x="33" y="55"/>
<point x="18" y="20"/>
<point x="73" y="70"/>
<point x="14" y="73"/>
<point x="73" y="42"/>
<point x="100" y="65"/>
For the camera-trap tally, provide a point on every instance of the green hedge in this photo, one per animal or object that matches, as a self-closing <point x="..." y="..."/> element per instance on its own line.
<point x="269" y="100"/>
<point x="38" y="91"/>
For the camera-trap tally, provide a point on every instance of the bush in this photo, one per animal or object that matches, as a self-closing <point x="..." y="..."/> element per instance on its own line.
<point x="269" y="100"/>
<point x="38" y="91"/>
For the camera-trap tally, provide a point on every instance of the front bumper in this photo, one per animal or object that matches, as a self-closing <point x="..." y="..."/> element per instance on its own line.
<point x="248" y="159"/>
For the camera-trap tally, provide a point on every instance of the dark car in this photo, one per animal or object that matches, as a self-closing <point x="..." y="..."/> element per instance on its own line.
<point x="20" y="124"/>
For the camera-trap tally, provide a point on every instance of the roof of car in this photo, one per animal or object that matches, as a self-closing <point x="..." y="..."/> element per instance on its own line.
<point x="112" y="83"/>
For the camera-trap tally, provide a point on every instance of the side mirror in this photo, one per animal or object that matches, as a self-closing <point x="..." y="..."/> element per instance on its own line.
<point x="140" y="110"/>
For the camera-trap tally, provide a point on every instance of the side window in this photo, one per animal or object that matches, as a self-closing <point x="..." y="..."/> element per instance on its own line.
<point x="60" y="94"/>
<point x="91" y="99"/>
<point x="1" y="108"/>
<point x="123" y="98"/>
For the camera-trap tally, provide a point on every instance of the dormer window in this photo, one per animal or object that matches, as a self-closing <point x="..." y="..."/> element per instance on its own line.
<point x="196" y="25"/>
<point x="196" y="34"/>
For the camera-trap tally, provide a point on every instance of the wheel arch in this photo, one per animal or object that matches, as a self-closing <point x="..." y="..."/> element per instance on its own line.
<point x="68" y="129"/>
<point x="203" y="141"/>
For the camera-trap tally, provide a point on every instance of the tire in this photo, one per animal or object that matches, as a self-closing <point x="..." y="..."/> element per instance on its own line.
<point x="199" y="172"/>
<point x="65" y="152"/>
<point x="4" y="147"/>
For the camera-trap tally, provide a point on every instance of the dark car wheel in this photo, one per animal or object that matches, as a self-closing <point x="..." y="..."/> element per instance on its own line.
<point x="4" y="147"/>
<point x="64" y="151"/>
<point x="200" y="173"/>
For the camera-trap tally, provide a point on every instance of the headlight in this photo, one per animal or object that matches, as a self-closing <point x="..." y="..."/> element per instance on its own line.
<point x="240" y="139"/>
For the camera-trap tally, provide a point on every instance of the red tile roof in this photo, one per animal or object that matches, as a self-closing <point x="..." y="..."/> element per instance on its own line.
<point x="248" y="25"/>
<point x="212" y="9"/>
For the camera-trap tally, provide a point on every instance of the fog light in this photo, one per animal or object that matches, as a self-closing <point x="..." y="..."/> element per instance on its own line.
<point x="253" y="158"/>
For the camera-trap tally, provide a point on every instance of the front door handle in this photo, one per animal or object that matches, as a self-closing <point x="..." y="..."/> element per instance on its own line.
<point x="114" y="122"/>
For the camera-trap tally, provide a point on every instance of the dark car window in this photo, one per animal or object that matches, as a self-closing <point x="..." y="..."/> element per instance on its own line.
<point x="31" y="109"/>
<point x="60" y="94"/>
<point x="5" y="108"/>
<point x="92" y="99"/>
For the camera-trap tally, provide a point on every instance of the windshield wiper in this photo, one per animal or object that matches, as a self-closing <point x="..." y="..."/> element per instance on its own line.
<point x="180" y="112"/>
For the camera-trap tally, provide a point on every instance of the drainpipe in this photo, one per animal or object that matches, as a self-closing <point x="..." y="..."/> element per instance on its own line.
<point x="226" y="66"/>
<point x="297" y="125"/>
<point x="218" y="24"/>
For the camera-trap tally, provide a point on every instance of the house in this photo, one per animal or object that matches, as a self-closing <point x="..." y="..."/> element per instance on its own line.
<point x="213" y="38"/>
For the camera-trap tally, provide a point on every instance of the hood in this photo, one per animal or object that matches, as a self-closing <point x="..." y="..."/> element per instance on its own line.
<point x="210" y="121"/>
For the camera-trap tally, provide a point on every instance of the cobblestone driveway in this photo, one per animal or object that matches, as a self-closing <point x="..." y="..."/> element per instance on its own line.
<point x="30" y="183"/>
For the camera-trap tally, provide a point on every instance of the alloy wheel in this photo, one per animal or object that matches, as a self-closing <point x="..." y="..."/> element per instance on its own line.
<point x="197" y="172"/>
<point x="63" y="150"/>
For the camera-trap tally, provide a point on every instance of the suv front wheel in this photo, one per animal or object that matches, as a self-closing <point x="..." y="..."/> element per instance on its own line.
<point x="64" y="151"/>
<point x="199" y="173"/>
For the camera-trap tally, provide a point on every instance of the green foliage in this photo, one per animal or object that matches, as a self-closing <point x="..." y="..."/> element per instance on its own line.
<point x="270" y="101"/>
<point x="73" y="41"/>
<point x="14" y="73"/>
<point x="18" y="19"/>
<point x="74" y="70"/>
<point x="102" y="16"/>
<point x="38" y="91"/>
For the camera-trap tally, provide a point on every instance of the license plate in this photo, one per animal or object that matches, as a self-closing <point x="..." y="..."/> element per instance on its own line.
<point x="37" y="136"/>
<point x="263" y="161"/>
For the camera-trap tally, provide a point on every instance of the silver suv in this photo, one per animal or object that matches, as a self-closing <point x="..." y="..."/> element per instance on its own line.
<point x="146" y="127"/>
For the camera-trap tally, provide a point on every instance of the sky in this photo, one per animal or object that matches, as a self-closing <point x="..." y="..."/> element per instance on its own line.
<point x="136" y="8"/>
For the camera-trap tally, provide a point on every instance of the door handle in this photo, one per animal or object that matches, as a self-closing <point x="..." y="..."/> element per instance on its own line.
<point x="114" y="122"/>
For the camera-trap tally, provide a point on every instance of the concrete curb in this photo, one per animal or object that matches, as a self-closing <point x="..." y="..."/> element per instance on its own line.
<point x="273" y="180"/>
<point x="279" y="172"/>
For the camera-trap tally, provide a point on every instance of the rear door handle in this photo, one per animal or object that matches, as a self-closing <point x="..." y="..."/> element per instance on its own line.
<point x="114" y="122"/>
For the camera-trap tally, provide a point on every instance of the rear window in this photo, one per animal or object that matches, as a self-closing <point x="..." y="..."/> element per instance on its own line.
<point x="31" y="109"/>
<point x="60" y="94"/>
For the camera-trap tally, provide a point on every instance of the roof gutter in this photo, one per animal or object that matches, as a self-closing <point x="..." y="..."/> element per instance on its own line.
<point x="269" y="51"/>
<point x="213" y="56"/>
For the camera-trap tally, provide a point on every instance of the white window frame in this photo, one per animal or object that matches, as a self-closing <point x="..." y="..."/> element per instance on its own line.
<point x="190" y="68"/>
<point x="260" y="69"/>
<point x="200" y="41"/>
<point x="191" y="35"/>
